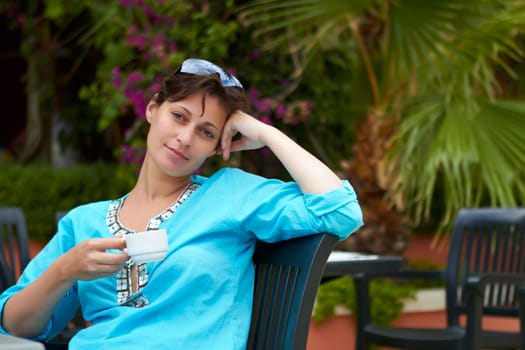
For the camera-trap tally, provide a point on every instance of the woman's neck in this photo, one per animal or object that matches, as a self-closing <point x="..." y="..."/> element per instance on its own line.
<point x="153" y="184"/>
<point x="153" y="193"/>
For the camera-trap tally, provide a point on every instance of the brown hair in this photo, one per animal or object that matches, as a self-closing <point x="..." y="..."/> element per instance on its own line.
<point x="178" y="86"/>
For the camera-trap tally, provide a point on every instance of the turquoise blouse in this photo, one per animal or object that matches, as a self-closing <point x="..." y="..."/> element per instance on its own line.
<point x="200" y="295"/>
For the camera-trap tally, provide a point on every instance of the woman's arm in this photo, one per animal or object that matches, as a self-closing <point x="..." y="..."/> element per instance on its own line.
<point x="27" y="313"/>
<point x="312" y="175"/>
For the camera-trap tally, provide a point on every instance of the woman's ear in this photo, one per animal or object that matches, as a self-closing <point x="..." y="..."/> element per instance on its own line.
<point x="151" y="108"/>
<point x="217" y="150"/>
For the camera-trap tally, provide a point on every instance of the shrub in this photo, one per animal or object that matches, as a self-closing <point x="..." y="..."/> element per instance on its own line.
<point x="41" y="190"/>
<point x="386" y="299"/>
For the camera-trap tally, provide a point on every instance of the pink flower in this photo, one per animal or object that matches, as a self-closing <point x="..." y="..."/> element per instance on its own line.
<point x="267" y="120"/>
<point x="157" y="19"/>
<point x="134" y="78"/>
<point x="265" y="151"/>
<point x="253" y="94"/>
<point x="148" y="11"/>
<point x="280" y="111"/>
<point x="264" y="105"/>
<point x="139" y="41"/>
<point x="255" y="54"/>
<point x="137" y="99"/>
<point x="309" y="105"/>
<point x="115" y="77"/>
<point x="132" y="29"/>
<point x="154" y="87"/>
<point x="158" y="40"/>
<point x="126" y="3"/>
<point x="140" y="108"/>
<point x="131" y="155"/>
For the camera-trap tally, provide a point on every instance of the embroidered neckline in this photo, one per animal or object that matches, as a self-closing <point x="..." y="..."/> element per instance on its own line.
<point x="113" y="213"/>
<point x="125" y="294"/>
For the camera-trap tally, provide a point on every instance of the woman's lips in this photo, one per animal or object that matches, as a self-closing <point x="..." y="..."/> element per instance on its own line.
<point x="177" y="153"/>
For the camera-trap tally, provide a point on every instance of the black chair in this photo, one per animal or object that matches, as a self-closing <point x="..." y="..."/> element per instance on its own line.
<point x="59" y="215"/>
<point x="521" y="295"/>
<point x="288" y="274"/>
<point x="14" y="245"/>
<point x="485" y="269"/>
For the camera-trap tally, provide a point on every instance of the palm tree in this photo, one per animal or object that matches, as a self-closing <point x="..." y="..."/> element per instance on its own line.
<point x="445" y="120"/>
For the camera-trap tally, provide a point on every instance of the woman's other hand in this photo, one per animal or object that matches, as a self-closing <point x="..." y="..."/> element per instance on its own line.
<point x="91" y="259"/>
<point x="250" y="130"/>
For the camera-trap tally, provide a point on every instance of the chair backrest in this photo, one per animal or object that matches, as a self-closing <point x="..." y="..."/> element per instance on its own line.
<point x="485" y="240"/>
<point x="14" y="245"/>
<point x="59" y="215"/>
<point x="287" y="276"/>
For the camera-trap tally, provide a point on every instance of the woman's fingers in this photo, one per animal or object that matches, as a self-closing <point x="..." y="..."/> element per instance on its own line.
<point x="248" y="127"/>
<point x="97" y="257"/>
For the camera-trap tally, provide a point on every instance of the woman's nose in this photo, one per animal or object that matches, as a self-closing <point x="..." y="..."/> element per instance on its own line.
<point x="184" y="136"/>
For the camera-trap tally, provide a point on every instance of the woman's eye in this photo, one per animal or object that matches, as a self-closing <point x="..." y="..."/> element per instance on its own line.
<point x="208" y="134"/>
<point x="177" y="116"/>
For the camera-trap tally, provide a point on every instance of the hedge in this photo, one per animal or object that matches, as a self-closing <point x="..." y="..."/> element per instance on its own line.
<point x="41" y="190"/>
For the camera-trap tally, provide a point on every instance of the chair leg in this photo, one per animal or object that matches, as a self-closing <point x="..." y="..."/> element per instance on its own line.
<point x="521" y="297"/>
<point x="361" y="284"/>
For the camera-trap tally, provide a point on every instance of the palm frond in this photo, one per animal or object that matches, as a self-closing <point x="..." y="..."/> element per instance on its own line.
<point x="433" y="39"/>
<point x="476" y="159"/>
<point x="273" y="18"/>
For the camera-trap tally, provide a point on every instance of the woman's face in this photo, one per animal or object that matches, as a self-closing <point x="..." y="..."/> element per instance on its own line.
<point x="182" y="135"/>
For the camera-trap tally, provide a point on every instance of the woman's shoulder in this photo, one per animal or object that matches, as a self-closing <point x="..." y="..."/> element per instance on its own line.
<point x="90" y="208"/>
<point x="229" y="174"/>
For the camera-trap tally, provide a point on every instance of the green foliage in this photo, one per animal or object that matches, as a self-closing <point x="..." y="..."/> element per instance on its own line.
<point x="41" y="191"/>
<point x="111" y="54"/>
<point x="145" y="41"/>
<point x="386" y="299"/>
<point x="446" y="69"/>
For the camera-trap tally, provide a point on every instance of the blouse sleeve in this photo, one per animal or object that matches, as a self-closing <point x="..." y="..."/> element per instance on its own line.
<point x="274" y="210"/>
<point x="69" y="304"/>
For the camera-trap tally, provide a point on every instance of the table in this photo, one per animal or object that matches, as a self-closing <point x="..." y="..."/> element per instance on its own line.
<point x="357" y="266"/>
<point x="8" y="342"/>
<point x="342" y="263"/>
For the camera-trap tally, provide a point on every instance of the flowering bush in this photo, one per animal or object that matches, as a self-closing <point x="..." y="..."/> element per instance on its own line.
<point x="130" y="43"/>
<point x="153" y="37"/>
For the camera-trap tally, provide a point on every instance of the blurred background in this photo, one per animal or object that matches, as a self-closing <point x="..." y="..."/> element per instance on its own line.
<point x="420" y="104"/>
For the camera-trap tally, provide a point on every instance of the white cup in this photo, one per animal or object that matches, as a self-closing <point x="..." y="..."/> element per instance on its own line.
<point x="147" y="246"/>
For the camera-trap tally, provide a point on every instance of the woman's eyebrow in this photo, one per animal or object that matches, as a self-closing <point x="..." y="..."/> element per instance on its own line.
<point x="211" y="125"/>
<point x="190" y="114"/>
<point x="185" y="109"/>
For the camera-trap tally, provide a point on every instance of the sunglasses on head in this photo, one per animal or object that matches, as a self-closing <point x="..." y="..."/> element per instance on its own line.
<point x="203" y="67"/>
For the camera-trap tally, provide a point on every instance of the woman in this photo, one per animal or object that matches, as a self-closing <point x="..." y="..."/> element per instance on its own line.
<point x="199" y="296"/>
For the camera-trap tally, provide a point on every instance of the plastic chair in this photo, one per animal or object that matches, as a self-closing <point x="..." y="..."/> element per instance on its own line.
<point x="521" y="295"/>
<point x="485" y="268"/>
<point x="59" y="215"/>
<point x="14" y="245"/>
<point x="288" y="274"/>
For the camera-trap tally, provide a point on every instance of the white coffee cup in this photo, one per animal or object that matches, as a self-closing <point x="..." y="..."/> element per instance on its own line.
<point x="147" y="246"/>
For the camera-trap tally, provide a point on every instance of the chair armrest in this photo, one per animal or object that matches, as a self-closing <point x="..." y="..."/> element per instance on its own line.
<point x="476" y="294"/>
<point x="521" y="299"/>
<point x="478" y="282"/>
